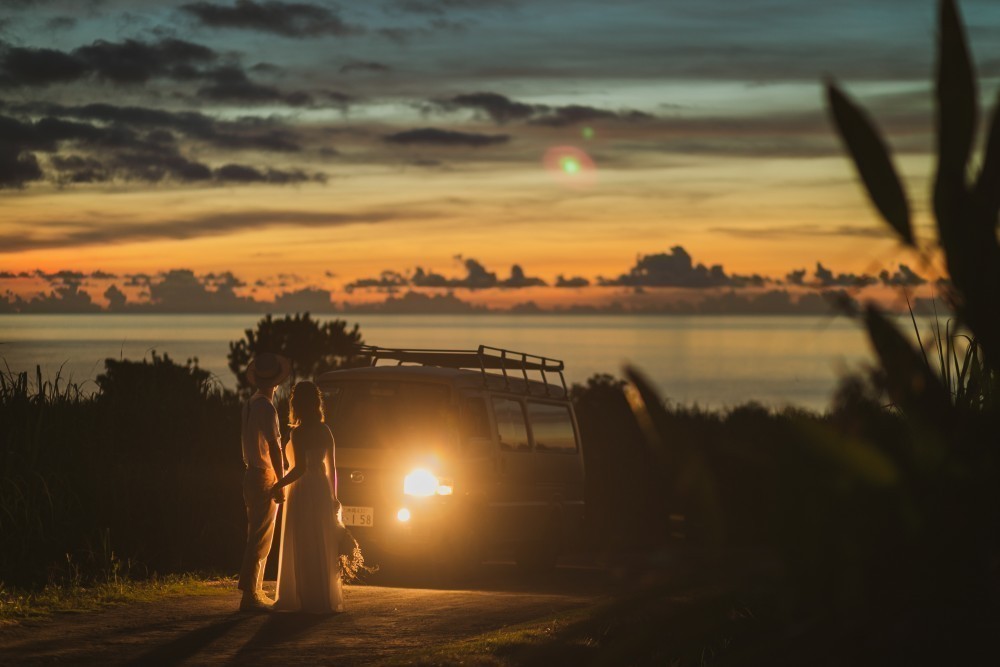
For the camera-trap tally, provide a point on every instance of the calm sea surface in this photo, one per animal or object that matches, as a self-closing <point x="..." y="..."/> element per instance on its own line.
<point x="709" y="360"/>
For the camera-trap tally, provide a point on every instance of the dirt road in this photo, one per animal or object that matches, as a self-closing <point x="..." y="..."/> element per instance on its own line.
<point x="381" y="622"/>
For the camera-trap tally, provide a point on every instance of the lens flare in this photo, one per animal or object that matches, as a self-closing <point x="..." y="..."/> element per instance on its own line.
<point x="570" y="166"/>
<point x="587" y="133"/>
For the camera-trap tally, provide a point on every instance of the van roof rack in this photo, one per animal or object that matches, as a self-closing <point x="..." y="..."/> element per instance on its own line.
<point x="484" y="358"/>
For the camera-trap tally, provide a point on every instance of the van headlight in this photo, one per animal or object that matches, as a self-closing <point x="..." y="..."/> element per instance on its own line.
<point x="422" y="483"/>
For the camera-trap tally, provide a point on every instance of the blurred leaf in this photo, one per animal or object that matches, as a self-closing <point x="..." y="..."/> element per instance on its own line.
<point x="871" y="157"/>
<point x="988" y="185"/>
<point x="860" y="458"/>
<point x="649" y="412"/>
<point x="956" y="98"/>
<point x="685" y="472"/>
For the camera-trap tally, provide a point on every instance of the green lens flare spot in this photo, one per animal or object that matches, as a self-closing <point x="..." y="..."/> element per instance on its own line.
<point x="570" y="165"/>
<point x="588" y="133"/>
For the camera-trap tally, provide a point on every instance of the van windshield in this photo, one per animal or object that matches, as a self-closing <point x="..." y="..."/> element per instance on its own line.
<point x="369" y="414"/>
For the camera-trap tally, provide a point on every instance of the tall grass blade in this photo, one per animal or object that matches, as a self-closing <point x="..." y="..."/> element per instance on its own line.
<point x="911" y="384"/>
<point x="916" y="330"/>
<point x="871" y="158"/>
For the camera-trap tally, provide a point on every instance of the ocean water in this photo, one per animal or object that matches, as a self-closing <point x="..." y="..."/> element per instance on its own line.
<point x="712" y="361"/>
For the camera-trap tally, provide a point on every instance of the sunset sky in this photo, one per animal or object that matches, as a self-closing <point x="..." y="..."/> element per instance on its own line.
<point x="360" y="148"/>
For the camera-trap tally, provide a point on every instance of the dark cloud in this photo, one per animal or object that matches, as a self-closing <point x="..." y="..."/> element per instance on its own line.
<point x="116" y="299"/>
<point x="773" y="302"/>
<point x="127" y="62"/>
<point x="118" y="152"/>
<point x="137" y="280"/>
<point x="518" y="279"/>
<point x="902" y="277"/>
<point x="267" y="68"/>
<point x="862" y="231"/>
<point x="796" y="277"/>
<point x="181" y="291"/>
<point x="64" y="276"/>
<point x="79" y="169"/>
<point x="417" y="302"/>
<point x="576" y="114"/>
<point x="307" y="299"/>
<point x="288" y="19"/>
<point x="64" y="298"/>
<point x="576" y="281"/>
<point x="364" y="66"/>
<point x="676" y="269"/>
<point x="501" y="109"/>
<point x="231" y="84"/>
<point x="442" y="7"/>
<point x="132" y="61"/>
<point x="101" y="232"/>
<point x="476" y="277"/>
<point x="423" y="278"/>
<point x="389" y="281"/>
<point x="17" y="166"/>
<point x="338" y="99"/>
<point x="259" y="134"/>
<point x="224" y="279"/>
<point x="238" y="173"/>
<point x="826" y="278"/>
<point x="39" y="67"/>
<point x="135" y="62"/>
<point x="437" y="137"/>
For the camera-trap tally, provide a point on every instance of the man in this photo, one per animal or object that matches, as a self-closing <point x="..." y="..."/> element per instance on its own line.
<point x="262" y="456"/>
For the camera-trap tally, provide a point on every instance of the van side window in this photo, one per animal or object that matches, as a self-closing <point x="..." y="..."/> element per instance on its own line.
<point x="552" y="427"/>
<point x="510" y="425"/>
<point x="475" y="419"/>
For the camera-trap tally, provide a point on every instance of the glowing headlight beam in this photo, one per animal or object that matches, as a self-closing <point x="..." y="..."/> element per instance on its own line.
<point x="421" y="483"/>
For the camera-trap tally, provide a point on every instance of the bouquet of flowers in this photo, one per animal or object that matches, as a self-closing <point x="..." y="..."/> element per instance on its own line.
<point x="352" y="561"/>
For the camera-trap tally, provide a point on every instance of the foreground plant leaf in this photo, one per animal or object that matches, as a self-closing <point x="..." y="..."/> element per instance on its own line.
<point x="685" y="470"/>
<point x="988" y="184"/>
<point x="956" y="98"/>
<point x="871" y="158"/>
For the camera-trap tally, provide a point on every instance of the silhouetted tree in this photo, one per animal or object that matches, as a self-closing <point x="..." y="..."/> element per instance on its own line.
<point x="312" y="346"/>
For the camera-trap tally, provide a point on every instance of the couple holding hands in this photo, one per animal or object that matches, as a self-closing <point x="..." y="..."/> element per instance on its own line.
<point x="309" y="571"/>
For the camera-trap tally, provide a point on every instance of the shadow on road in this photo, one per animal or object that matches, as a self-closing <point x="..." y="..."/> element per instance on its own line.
<point x="280" y="628"/>
<point x="189" y="644"/>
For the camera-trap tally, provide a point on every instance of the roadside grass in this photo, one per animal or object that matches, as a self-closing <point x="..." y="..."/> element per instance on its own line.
<point x="658" y="626"/>
<point x="18" y="605"/>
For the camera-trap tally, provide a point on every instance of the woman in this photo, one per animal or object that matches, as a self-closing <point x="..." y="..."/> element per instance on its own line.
<point x="309" y="563"/>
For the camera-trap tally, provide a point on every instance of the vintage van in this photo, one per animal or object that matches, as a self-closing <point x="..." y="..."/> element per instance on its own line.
<point x="457" y="454"/>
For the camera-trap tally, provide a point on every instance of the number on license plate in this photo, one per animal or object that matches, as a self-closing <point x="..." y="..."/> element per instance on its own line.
<point x="359" y="516"/>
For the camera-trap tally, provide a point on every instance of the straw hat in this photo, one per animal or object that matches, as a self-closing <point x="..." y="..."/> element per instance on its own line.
<point x="268" y="370"/>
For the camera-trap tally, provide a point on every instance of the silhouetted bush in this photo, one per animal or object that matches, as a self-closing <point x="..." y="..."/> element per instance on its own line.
<point x="148" y="469"/>
<point x="879" y="523"/>
<point x="313" y="347"/>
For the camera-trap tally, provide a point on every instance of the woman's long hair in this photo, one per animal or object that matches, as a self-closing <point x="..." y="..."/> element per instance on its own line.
<point x="306" y="404"/>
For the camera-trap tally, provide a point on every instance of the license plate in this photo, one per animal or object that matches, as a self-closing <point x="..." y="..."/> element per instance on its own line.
<point x="359" y="516"/>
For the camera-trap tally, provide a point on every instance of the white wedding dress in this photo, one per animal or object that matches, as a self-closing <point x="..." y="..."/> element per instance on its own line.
<point x="308" y="563"/>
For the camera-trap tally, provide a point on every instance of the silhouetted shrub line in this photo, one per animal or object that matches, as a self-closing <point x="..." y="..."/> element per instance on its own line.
<point x="882" y="525"/>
